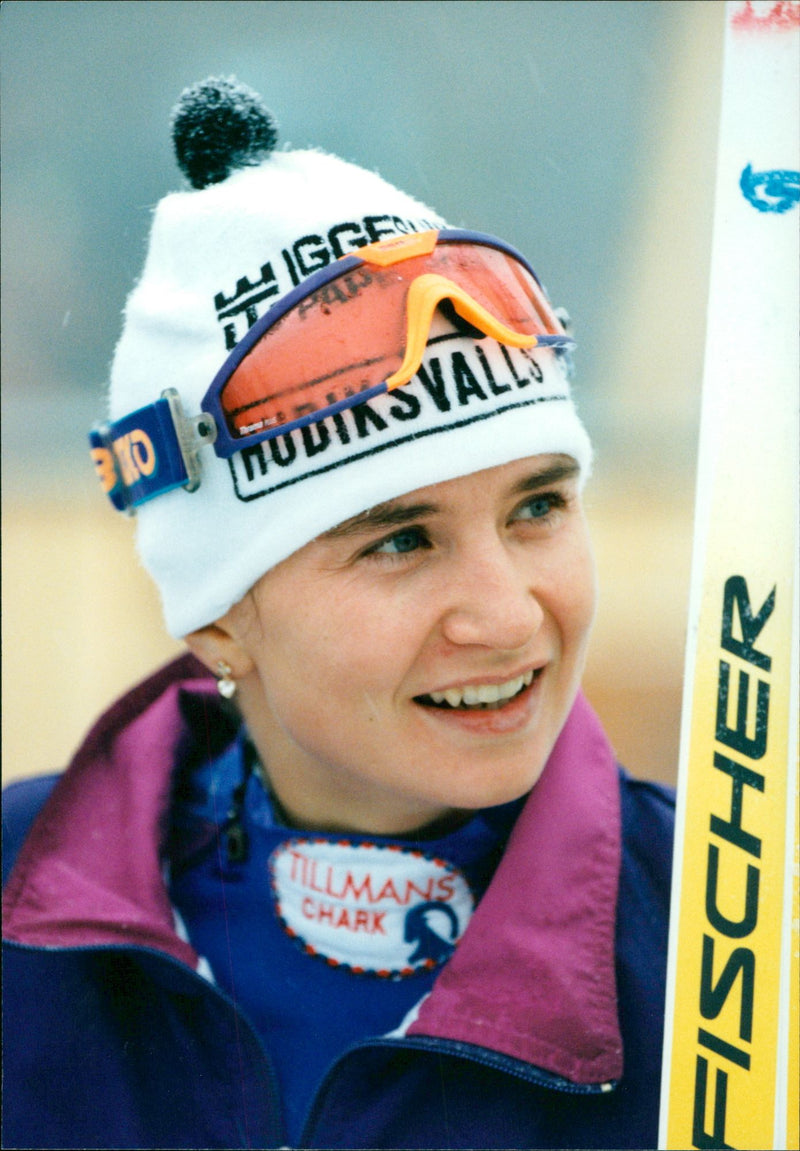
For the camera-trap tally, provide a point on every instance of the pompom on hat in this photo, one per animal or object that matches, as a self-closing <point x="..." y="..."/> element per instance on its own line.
<point x="256" y="225"/>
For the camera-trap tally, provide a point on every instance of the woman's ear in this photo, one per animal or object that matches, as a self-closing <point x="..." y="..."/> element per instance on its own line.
<point x="214" y="644"/>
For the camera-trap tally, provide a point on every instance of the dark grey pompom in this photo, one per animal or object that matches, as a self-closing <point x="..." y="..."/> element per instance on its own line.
<point x="218" y="125"/>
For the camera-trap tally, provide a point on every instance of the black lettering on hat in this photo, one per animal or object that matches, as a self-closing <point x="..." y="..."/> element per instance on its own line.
<point x="535" y="370"/>
<point x="247" y="294"/>
<point x="251" y="456"/>
<point x="243" y="307"/>
<point x="434" y="387"/>
<point x="520" y="381"/>
<point x="338" y="423"/>
<point x="364" y="414"/>
<point x="495" y="388"/>
<point x="283" y="458"/>
<point x="371" y="223"/>
<point x="318" y="254"/>
<point x="409" y="406"/>
<point x="243" y="303"/>
<point x="316" y="438"/>
<point x="287" y="259"/>
<point x="466" y="381"/>
<point x="358" y="239"/>
<point x="248" y="485"/>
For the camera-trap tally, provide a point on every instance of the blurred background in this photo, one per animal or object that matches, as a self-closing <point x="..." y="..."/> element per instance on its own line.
<point x="583" y="133"/>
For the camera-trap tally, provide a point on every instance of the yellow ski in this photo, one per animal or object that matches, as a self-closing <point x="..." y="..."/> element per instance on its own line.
<point x="731" y="1044"/>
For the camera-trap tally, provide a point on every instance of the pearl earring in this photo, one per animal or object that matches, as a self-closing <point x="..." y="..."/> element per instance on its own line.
<point x="226" y="685"/>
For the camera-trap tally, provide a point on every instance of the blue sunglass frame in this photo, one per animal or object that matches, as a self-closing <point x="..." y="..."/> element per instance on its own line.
<point x="155" y="449"/>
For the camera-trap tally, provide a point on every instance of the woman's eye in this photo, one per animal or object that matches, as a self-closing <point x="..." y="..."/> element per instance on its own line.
<point x="407" y="540"/>
<point x="540" y="507"/>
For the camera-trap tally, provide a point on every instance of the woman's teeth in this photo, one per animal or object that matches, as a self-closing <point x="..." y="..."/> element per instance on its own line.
<point x="485" y="695"/>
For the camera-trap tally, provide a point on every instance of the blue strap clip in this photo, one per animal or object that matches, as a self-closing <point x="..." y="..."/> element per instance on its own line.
<point x="150" y="451"/>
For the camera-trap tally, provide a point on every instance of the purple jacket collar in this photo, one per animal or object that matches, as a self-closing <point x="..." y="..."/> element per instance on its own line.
<point x="533" y="977"/>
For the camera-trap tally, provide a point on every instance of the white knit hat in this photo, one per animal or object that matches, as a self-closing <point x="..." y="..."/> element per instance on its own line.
<point x="257" y="223"/>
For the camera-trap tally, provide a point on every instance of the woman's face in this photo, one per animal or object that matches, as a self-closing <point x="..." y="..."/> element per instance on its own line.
<point x="420" y="659"/>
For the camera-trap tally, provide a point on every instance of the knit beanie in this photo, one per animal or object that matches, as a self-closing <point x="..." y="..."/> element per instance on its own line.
<point x="255" y="224"/>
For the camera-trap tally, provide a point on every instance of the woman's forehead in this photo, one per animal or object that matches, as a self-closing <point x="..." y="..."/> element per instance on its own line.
<point x="516" y="478"/>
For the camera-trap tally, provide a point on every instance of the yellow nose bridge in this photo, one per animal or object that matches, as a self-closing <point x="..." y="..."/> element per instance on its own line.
<point x="424" y="295"/>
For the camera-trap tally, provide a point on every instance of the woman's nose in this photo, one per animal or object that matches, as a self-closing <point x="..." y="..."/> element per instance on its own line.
<point x="492" y="600"/>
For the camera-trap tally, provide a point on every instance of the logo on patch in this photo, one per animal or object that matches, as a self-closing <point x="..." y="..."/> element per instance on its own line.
<point x="384" y="911"/>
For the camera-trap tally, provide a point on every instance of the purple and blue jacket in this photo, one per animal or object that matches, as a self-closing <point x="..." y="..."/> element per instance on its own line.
<point x="544" y="1029"/>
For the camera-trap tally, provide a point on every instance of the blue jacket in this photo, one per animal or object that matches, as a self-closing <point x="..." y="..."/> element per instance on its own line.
<point x="543" y="1030"/>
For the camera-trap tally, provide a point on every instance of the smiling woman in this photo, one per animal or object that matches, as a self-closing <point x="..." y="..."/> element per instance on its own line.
<point x="396" y="679"/>
<point x="385" y="885"/>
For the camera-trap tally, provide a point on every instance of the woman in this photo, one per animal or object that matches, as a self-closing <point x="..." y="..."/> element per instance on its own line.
<point x="387" y="887"/>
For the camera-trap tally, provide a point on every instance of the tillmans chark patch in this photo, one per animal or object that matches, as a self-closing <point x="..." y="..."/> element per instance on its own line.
<point x="383" y="911"/>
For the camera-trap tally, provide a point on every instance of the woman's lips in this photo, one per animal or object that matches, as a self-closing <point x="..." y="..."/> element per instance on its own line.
<point x="490" y="716"/>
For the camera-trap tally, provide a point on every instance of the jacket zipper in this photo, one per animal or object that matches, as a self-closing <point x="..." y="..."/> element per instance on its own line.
<point x="473" y="1052"/>
<point x="484" y="1056"/>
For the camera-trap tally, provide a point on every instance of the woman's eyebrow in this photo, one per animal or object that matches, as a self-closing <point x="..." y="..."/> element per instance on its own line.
<point x="393" y="515"/>
<point x="557" y="473"/>
<point x="380" y="518"/>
